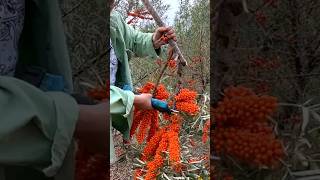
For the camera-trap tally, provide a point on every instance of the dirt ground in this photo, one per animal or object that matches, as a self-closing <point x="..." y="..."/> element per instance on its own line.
<point x="120" y="170"/>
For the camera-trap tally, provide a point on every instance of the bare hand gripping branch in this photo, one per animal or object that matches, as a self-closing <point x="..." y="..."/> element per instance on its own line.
<point x="160" y="23"/>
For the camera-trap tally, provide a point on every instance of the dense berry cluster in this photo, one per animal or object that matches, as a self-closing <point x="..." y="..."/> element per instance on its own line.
<point x="146" y="121"/>
<point x="258" y="149"/>
<point x="165" y="139"/>
<point x="242" y="129"/>
<point x="161" y="91"/>
<point x="186" y="102"/>
<point x="244" y="110"/>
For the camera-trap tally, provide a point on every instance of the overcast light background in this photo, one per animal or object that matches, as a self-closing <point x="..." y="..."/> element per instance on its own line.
<point x="172" y="11"/>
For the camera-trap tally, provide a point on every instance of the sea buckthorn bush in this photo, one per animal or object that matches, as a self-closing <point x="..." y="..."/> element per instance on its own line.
<point x="159" y="134"/>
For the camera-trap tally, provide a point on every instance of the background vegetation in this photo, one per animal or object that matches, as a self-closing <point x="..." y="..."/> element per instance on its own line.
<point x="273" y="48"/>
<point x="86" y="28"/>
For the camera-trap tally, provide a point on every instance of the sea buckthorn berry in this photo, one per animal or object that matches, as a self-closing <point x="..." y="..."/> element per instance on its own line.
<point x="243" y="130"/>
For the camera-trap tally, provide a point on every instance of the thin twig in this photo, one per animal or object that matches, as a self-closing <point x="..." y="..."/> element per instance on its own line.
<point x="159" y="78"/>
<point x="162" y="71"/>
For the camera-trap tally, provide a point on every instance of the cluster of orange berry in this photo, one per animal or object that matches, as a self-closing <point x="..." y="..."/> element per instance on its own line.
<point x="172" y="63"/>
<point x="257" y="149"/>
<point x="145" y="120"/>
<point x="243" y="110"/>
<point x="166" y="139"/>
<point x="196" y="59"/>
<point x="242" y="129"/>
<point x="186" y="102"/>
<point x="161" y="91"/>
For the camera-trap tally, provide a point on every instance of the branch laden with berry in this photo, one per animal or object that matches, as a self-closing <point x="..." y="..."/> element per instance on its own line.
<point x="160" y="133"/>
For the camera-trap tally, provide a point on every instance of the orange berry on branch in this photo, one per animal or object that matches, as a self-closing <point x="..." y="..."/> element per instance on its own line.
<point x="172" y="63"/>
<point x="206" y="130"/>
<point x="152" y="145"/>
<point x="190" y="108"/>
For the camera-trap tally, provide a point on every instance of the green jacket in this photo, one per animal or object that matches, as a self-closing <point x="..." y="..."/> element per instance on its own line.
<point x="126" y="41"/>
<point x="36" y="127"/>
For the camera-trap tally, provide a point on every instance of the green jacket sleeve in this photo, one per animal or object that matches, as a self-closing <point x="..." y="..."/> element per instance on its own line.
<point x="140" y="43"/>
<point x="121" y="102"/>
<point x="36" y="128"/>
<point x="121" y="109"/>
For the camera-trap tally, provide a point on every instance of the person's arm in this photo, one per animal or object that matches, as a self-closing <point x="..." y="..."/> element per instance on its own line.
<point x="138" y="42"/>
<point x="36" y="127"/>
<point x="122" y="101"/>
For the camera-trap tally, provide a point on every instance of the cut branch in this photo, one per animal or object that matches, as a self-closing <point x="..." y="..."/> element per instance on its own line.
<point x="160" y="23"/>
